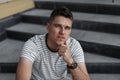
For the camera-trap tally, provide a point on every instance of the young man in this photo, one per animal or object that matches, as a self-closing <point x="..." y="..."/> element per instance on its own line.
<point x="47" y="57"/>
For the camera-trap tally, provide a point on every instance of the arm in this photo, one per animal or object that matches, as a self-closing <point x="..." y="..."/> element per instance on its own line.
<point x="80" y="72"/>
<point x="24" y="69"/>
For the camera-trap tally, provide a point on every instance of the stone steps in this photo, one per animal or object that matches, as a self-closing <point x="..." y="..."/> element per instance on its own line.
<point x="88" y="6"/>
<point x="105" y="76"/>
<point x="101" y="64"/>
<point x="93" y="76"/>
<point x="24" y="31"/>
<point x="7" y="76"/>
<point x="11" y="50"/>
<point x="85" y="21"/>
<point x="7" y="22"/>
<point x="2" y="35"/>
<point x="95" y="42"/>
<point x="9" y="55"/>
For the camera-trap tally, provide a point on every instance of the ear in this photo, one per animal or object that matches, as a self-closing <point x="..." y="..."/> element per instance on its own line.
<point x="47" y="26"/>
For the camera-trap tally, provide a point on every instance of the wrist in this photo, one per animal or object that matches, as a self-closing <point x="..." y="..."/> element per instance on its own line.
<point x="70" y="62"/>
<point x="73" y="65"/>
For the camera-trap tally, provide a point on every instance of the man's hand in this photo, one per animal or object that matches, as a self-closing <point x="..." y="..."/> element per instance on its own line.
<point x="64" y="51"/>
<point x="79" y="73"/>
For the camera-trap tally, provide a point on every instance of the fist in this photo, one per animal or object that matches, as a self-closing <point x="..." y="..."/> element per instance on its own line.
<point x="64" y="51"/>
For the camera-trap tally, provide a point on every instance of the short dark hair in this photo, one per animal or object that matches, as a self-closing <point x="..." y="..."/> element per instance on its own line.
<point x="62" y="11"/>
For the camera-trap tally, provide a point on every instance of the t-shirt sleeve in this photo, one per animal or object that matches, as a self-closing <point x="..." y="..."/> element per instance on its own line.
<point x="29" y="50"/>
<point x="77" y="52"/>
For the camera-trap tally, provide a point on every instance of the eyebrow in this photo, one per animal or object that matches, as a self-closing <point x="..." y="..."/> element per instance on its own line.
<point x="60" y="25"/>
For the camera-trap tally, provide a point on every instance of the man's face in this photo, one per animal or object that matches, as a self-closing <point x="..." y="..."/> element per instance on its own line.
<point x="59" y="30"/>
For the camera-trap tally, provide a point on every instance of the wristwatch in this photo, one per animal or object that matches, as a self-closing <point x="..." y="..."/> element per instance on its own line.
<point x="73" y="65"/>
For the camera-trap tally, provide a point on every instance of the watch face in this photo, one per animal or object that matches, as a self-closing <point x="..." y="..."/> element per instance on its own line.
<point x="73" y="66"/>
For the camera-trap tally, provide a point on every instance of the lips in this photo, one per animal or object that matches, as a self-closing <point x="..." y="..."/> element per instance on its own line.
<point x="61" y="38"/>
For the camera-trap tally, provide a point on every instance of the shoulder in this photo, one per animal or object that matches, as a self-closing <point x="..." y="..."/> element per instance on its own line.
<point x="35" y="41"/>
<point x="74" y="45"/>
<point x="37" y="37"/>
<point x="76" y="50"/>
<point x="32" y="47"/>
<point x="72" y="42"/>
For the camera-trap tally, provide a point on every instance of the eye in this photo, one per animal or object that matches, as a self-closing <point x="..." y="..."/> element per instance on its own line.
<point x="67" y="28"/>
<point x="57" y="25"/>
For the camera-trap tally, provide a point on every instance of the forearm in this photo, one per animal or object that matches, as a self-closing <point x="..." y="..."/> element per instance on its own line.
<point x="78" y="74"/>
<point x="78" y="71"/>
<point x="22" y="75"/>
<point x="22" y="78"/>
<point x="24" y="70"/>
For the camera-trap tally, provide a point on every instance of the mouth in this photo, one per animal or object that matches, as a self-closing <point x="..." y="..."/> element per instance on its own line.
<point x="61" y="38"/>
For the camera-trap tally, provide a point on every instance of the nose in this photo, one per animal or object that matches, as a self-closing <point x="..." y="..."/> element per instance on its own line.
<point x="62" y="31"/>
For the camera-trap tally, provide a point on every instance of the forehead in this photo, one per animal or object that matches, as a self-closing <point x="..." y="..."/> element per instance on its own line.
<point x="62" y="20"/>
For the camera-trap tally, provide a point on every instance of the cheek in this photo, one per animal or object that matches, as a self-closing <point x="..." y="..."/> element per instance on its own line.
<point x="68" y="33"/>
<point x="55" y="32"/>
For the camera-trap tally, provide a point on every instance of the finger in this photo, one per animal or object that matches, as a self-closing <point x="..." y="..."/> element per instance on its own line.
<point x="63" y="48"/>
<point x="61" y="45"/>
<point x="61" y="53"/>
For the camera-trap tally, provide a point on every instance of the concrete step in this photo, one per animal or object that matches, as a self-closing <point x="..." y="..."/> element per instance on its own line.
<point x="9" y="55"/>
<point x="7" y="22"/>
<point x="8" y="76"/>
<point x="10" y="52"/>
<point x="93" y="76"/>
<point x="90" y="6"/>
<point x="95" y="58"/>
<point x="101" y="64"/>
<point x="86" y="21"/>
<point x="23" y="31"/>
<point x="105" y="76"/>
<point x="10" y="21"/>
<point x="2" y="35"/>
<point x="95" y="42"/>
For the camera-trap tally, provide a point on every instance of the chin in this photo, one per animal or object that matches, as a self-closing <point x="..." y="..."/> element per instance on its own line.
<point x="60" y="42"/>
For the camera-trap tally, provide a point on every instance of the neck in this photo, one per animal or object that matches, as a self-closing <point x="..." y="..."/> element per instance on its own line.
<point x="51" y="46"/>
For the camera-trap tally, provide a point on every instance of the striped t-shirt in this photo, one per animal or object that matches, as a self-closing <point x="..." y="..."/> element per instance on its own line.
<point x="48" y="65"/>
